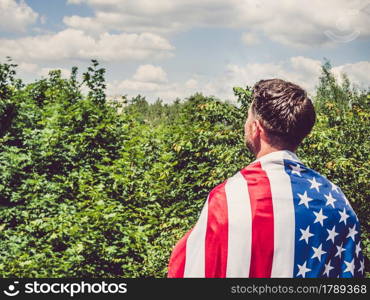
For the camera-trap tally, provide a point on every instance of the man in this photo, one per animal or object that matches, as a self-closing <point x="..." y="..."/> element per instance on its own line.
<point x="276" y="217"/>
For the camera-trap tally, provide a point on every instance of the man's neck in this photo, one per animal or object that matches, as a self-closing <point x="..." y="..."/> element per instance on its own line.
<point x="267" y="149"/>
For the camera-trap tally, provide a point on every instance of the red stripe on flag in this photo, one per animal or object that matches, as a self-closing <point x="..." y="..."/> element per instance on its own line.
<point x="176" y="265"/>
<point x="217" y="233"/>
<point x="262" y="220"/>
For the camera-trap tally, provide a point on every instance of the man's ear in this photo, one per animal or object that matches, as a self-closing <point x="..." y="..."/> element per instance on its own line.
<point x="257" y="128"/>
<point x="261" y="130"/>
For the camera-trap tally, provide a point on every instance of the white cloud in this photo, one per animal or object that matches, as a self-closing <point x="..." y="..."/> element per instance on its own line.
<point x="300" y="70"/>
<point x="74" y="1"/>
<point x="358" y="72"/>
<point x="162" y="16"/>
<point x="191" y="83"/>
<point x="295" y="23"/>
<point x="16" y="16"/>
<point x="150" y="73"/>
<point x="147" y="78"/>
<point x="137" y="86"/>
<point x="24" y="67"/>
<point x="152" y="81"/>
<point x="75" y="44"/>
<point x="250" y="39"/>
<point x="31" y="71"/>
<point x="87" y="24"/>
<point x="303" y="71"/>
<point x="43" y="19"/>
<point x="289" y="22"/>
<point x="309" y="66"/>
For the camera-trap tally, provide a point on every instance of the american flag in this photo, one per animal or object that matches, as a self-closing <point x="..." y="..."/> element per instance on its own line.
<point x="274" y="218"/>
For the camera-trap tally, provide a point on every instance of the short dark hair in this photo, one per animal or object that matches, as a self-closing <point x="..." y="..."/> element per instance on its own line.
<point x="285" y="111"/>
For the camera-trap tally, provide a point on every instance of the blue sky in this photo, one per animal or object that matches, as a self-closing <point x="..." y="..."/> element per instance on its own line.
<point x="172" y="49"/>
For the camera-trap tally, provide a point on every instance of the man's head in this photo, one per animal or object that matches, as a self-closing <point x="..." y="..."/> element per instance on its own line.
<point x="280" y="116"/>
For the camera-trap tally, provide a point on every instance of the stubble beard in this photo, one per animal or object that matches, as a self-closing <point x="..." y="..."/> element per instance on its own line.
<point x="248" y="143"/>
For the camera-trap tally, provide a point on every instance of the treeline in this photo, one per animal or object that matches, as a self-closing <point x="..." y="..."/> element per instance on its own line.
<point x="90" y="188"/>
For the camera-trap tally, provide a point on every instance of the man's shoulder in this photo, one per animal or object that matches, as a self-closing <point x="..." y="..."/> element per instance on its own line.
<point x="312" y="176"/>
<point x="220" y="188"/>
<point x="218" y="191"/>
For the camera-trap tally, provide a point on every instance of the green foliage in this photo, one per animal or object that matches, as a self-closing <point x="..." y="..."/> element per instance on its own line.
<point x="88" y="190"/>
<point x="95" y="81"/>
<point x="244" y="97"/>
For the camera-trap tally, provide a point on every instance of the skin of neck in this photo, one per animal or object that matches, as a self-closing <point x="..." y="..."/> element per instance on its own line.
<point x="265" y="148"/>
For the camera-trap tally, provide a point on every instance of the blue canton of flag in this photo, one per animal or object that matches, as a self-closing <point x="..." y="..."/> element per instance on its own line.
<point x="327" y="230"/>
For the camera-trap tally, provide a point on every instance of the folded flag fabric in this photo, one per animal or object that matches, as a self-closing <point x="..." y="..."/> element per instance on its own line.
<point x="274" y="218"/>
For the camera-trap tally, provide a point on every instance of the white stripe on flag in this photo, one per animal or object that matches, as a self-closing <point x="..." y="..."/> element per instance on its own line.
<point x="240" y="227"/>
<point x="195" y="246"/>
<point x="284" y="216"/>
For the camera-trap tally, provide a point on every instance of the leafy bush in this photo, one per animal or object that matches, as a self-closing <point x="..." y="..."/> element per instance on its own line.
<point x="89" y="188"/>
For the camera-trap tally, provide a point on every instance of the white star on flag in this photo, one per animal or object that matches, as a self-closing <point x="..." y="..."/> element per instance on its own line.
<point x="314" y="184"/>
<point x="319" y="217"/>
<point x="296" y="169"/>
<point x="304" y="199"/>
<point x="330" y="200"/>
<point x="306" y="234"/>
<point x="358" y="249"/>
<point x="332" y="234"/>
<point x="340" y="249"/>
<point x="350" y="267"/>
<point x="352" y="232"/>
<point x="343" y="216"/>
<point x="362" y="267"/>
<point x="303" y="270"/>
<point x="328" y="268"/>
<point x="318" y="252"/>
<point x="334" y="187"/>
